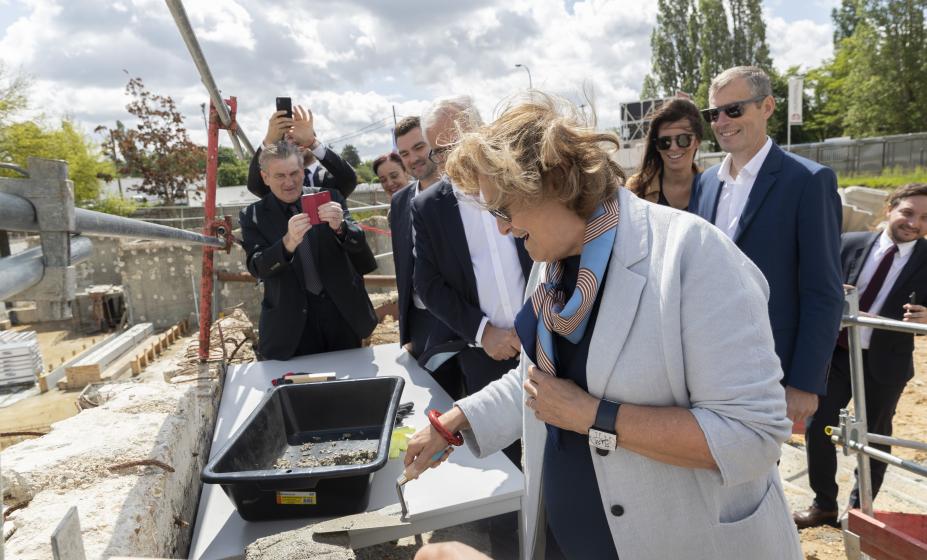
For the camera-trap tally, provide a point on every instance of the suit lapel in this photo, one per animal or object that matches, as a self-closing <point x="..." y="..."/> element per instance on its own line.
<point x="621" y="294"/>
<point x="709" y="193"/>
<point x="451" y="220"/>
<point x="860" y="254"/>
<point x="915" y="262"/>
<point x="764" y="182"/>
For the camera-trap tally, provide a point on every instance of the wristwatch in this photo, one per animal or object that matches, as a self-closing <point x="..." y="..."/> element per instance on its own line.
<point x="602" y="434"/>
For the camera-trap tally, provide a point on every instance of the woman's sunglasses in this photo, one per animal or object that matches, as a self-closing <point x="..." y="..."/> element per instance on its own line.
<point x="664" y="143"/>
<point x="733" y="110"/>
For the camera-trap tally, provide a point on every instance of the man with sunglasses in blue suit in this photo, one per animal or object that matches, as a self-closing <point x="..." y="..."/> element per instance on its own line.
<point x="783" y="211"/>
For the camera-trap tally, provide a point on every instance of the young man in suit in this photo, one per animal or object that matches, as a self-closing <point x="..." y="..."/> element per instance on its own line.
<point x="420" y="332"/>
<point x="323" y="168"/>
<point x="890" y="271"/>
<point x="314" y="300"/>
<point x="782" y="211"/>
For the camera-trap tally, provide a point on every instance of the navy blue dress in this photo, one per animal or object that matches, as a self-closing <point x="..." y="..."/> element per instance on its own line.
<point x="573" y="503"/>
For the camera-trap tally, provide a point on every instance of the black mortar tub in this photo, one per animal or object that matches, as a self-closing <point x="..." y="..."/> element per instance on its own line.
<point x="275" y="465"/>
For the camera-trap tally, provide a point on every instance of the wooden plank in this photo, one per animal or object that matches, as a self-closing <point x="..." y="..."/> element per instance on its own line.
<point x="883" y="541"/>
<point x="106" y="354"/>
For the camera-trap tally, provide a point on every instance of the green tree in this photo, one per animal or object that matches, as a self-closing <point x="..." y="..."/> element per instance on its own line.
<point x="19" y="141"/>
<point x="887" y="69"/>
<point x="349" y="154"/>
<point x="14" y="89"/>
<point x="845" y="19"/>
<point x="650" y="89"/>
<point x="716" y="46"/>
<point x="365" y="172"/>
<point x="675" y="48"/>
<point x="748" y="33"/>
<point x="232" y="172"/>
<point x="158" y="148"/>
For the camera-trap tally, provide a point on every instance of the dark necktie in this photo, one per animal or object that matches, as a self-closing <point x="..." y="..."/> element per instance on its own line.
<point x="311" y="278"/>
<point x="872" y="289"/>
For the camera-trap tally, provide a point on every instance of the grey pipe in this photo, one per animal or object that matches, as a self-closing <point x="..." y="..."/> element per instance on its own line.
<point x="193" y="45"/>
<point x="888" y="458"/>
<point x="18" y="214"/>
<point x="884" y="324"/>
<point x="24" y="270"/>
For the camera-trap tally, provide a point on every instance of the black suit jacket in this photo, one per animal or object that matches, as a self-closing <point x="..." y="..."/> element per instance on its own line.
<point x="340" y="175"/>
<point x="443" y="275"/>
<point x="284" y="307"/>
<point x="890" y="356"/>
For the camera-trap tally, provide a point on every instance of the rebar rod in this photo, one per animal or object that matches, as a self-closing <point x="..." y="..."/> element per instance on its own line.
<point x="24" y="270"/>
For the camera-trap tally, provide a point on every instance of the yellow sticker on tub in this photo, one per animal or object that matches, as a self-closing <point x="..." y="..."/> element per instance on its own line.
<point x="296" y="498"/>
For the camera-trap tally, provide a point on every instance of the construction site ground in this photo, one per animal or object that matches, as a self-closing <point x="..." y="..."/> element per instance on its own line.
<point x="901" y="492"/>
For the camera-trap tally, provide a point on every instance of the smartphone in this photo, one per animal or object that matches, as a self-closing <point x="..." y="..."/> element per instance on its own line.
<point x="311" y="202"/>
<point x="285" y="104"/>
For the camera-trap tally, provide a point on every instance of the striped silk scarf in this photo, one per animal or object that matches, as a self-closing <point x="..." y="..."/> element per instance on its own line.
<point x="569" y="319"/>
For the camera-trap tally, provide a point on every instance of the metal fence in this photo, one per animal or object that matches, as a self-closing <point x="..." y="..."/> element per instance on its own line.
<point x="852" y="435"/>
<point x="905" y="152"/>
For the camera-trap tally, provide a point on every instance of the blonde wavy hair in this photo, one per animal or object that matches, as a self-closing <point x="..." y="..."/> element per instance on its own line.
<point x="536" y="150"/>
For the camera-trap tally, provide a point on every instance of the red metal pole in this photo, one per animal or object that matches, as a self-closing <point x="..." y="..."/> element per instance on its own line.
<point x="209" y="215"/>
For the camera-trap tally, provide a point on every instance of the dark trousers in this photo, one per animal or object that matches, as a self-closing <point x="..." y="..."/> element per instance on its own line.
<point x="448" y="376"/>
<point x="881" y="400"/>
<point x="325" y="329"/>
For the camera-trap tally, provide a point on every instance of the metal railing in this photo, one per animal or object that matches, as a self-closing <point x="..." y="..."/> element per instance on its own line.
<point x="852" y="434"/>
<point x="43" y="202"/>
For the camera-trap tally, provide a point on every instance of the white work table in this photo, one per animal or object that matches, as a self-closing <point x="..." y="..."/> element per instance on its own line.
<point x="463" y="489"/>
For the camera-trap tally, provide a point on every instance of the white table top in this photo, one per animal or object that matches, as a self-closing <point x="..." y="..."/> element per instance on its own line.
<point x="464" y="489"/>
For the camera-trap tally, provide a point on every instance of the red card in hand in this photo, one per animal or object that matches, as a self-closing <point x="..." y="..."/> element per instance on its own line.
<point x="311" y="202"/>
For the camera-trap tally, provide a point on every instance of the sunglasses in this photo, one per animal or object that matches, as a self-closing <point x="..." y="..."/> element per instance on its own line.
<point x="733" y="110"/>
<point x="664" y="143"/>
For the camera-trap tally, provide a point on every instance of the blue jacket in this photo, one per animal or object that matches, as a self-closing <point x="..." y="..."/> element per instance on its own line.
<point x="790" y="228"/>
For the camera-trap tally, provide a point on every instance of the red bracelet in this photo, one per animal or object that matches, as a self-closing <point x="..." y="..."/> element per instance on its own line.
<point x="452" y="439"/>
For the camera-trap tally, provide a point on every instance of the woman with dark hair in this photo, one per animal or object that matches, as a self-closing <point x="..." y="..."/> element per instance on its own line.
<point x="391" y="172"/>
<point x="668" y="171"/>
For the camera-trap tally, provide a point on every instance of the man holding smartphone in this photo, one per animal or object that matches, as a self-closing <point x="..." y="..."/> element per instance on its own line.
<point x="322" y="167"/>
<point x="314" y="299"/>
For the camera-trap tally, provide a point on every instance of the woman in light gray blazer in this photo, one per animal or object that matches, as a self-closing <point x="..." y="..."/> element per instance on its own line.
<point x="647" y="396"/>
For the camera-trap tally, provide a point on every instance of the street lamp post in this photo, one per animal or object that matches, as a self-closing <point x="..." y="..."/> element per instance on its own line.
<point x="528" y="70"/>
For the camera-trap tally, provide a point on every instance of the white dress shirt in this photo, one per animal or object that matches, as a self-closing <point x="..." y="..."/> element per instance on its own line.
<point x="735" y="191"/>
<point x="883" y="244"/>
<point x="416" y="301"/>
<point x="500" y="283"/>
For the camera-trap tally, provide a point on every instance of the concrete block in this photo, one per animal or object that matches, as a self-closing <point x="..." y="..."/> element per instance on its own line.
<point x="140" y="511"/>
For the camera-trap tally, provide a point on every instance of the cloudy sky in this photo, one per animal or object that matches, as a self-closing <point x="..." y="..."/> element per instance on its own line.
<point x="352" y="61"/>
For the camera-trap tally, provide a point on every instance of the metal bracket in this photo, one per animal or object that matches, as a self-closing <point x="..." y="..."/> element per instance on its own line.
<point x="222" y="227"/>
<point x="852" y="433"/>
<point x="52" y="196"/>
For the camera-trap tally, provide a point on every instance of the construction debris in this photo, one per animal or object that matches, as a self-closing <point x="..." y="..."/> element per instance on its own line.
<point x="20" y="360"/>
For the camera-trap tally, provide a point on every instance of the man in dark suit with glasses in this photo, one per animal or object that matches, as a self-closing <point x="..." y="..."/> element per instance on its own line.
<point x="784" y="212"/>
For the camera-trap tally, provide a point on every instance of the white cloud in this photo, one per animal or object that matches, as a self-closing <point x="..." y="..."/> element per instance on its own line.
<point x="350" y="60"/>
<point x="801" y="43"/>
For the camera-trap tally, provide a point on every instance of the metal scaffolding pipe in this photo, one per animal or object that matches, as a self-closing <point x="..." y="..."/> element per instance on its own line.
<point x="884" y="324"/>
<point x="24" y="270"/>
<point x="99" y="223"/>
<point x="18" y="214"/>
<point x="879" y="455"/>
<point x="193" y="45"/>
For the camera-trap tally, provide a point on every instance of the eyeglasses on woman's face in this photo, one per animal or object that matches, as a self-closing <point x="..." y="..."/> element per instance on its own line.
<point x="733" y="110"/>
<point x="664" y="143"/>
<point x="440" y="154"/>
<point x="501" y="214"/>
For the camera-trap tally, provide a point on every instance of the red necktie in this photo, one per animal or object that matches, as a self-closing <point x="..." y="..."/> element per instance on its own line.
<point x="872" y="289"/>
